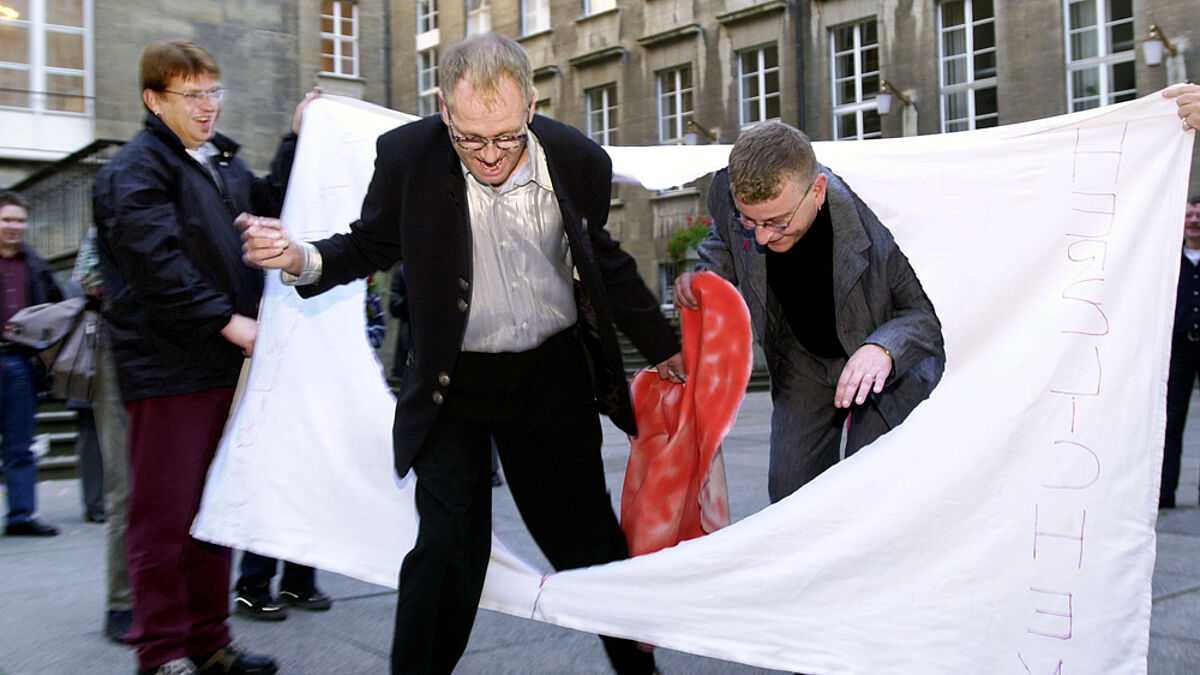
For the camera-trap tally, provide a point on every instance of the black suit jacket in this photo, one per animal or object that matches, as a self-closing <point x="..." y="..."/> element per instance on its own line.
<point x="416" y="211"/>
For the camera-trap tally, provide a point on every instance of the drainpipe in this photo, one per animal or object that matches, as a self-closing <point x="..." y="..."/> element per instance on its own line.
<point x="800" y="9"/>
<point x="387" y="54"/>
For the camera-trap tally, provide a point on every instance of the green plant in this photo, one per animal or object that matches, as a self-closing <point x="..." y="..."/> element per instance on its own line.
<point x="688" y="236"/>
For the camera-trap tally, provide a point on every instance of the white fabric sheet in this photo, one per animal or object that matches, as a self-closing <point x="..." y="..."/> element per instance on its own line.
<point x="1007" y="526"/>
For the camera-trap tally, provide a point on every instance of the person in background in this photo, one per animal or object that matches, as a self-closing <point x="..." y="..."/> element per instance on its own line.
<point x="1187" y="98"/>
<point x="297" y="588"/>
<point x="25" y="280"/>
<point x="179" y="307"/>
<point x="1185" y="353"/>
<point x="398" y="306"/>
<point x="108" y="415"/>
<point x="89" y="461"/>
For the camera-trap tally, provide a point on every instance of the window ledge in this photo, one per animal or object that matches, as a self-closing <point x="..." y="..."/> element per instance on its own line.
<point x="531" y="36"/>
<point x="347" y="78"/>
<point x="684" y="31"/>
<point x="752" y="12"/>
<point x="613" y="52"/>
<point x="588" y="17"/>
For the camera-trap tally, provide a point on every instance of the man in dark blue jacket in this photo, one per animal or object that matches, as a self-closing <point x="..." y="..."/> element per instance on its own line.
<point x="24" y="280"/>
<point x="180" y="310"/>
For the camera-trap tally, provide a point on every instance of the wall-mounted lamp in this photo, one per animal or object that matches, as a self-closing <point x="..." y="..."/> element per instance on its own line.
<point x="8" y="13"/>
<point x="883" y="99"/>
<point x="691" y="138"/>
<point x="1154" y="45"/>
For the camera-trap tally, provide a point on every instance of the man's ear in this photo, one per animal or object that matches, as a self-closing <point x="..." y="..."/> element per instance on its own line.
<point x="532" y="106"/>
<point x="819" y="187"/>
<point x="442" y="109"/>
<point x="150" y="99"/>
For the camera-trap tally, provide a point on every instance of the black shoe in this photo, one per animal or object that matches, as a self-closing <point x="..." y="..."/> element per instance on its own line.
<point x="313" y="600"/>
<point x="30" y="528"/>
<point x="258" y="604"/>
<point x="94" y="516"/>
<point x="231" y="660"/>
<point x="117" y="624"/>
<point x="1166" y="501"/>
<point x="497" y="481"/>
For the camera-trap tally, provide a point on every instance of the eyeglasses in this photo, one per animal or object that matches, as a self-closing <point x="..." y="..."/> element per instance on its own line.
<point x="216" y="95"/>
<point x="475" y="143"/>
<point x="777" y="227"/>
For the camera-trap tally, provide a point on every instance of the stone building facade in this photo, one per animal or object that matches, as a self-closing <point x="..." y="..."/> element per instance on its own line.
<point x="676" y="71"/>
<point x="638" y="72"/>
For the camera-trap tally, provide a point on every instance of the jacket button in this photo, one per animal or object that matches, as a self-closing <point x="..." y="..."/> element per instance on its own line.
<point x="444" y="379"/>
<point x="462" y="305"/>
<point x="438" y="398"/>
<point x="464" y="284"/>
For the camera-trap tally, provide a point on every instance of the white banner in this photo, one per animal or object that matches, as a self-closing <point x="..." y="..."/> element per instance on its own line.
<point x="1007" y="526"/>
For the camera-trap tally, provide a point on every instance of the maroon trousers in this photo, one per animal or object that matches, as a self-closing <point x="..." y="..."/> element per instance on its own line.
<point x="180" y="585"/>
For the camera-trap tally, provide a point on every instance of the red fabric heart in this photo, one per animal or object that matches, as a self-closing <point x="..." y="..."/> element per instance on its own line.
<point x="675" y="481"/>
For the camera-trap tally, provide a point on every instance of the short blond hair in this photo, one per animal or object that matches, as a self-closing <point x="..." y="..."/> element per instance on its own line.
<point x="483" y="60"/>
<point x="764" y="156"/>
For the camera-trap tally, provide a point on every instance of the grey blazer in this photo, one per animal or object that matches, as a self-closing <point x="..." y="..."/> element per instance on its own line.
<point x="877" y="296"/>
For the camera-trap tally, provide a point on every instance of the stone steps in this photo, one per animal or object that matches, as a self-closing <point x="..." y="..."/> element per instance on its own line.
<point x="57" y="430"/>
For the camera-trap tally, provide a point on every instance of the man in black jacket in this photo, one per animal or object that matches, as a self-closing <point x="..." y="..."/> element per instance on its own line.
<point x="1185" y="352"/>
<point x="24" y="280"/>
<point x="514" y="288"/>
<point x="180" y="310"/>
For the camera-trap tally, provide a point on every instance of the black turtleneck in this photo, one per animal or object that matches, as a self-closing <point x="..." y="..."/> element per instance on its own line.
<point x="802" y="280"/>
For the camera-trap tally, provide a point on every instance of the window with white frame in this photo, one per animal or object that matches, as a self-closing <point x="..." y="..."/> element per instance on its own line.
<point x="427" y="82"/>
<point x="339" y="38"/>
<point x="479" y="16"/>
<point x="1100" y="53"/>
<point x="758" y="75"/>
<point x="535" y="16"/>
<point x="597" y="6"/>
<point x="674" y="103"/>
<point x="855" y="63"/>
<point x="967" y="44"/>
<point x="601" y="110"/>
<point x="45" y="62"/>
<point x="427" y="15"/>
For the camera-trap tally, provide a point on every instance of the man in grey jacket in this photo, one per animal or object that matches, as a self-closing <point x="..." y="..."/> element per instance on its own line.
<point x="851" y="340"/>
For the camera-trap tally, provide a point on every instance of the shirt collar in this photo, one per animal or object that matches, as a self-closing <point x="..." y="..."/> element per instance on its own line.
<point x="204" y="153"/>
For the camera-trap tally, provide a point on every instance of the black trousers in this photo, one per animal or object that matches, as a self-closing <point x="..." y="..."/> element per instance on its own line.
<point x="1185" y="366"/>
<point x="256" y="571"/>
<point x="539" y="408"/>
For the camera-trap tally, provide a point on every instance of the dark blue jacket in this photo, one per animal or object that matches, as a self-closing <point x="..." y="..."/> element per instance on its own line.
<point x="171" y="259"/>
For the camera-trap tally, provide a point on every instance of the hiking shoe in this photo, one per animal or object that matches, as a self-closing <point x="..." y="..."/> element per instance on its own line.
<point x="232" y="660"/>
